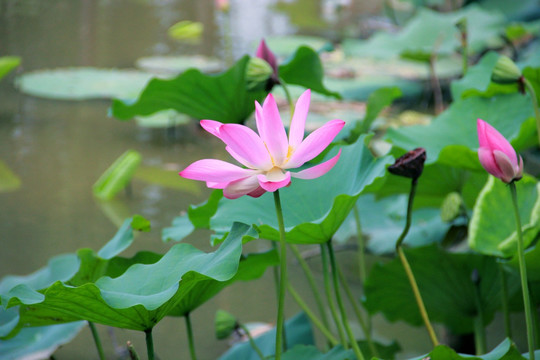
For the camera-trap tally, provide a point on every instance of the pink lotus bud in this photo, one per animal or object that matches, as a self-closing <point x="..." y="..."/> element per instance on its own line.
<point x="264" y="52"/>
<point x="222" y="5"/>
<point x="496" y="154"/>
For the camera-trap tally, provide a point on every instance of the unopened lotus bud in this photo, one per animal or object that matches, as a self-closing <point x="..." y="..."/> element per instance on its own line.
<point x="258" y="72"/>
<point x="451" y="207"/>
<point x="409" y="165"/>
<point x="505" y="71"/>
<point x="225" y="324"/>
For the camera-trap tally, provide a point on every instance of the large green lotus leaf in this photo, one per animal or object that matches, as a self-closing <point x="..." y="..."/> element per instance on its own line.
<point x="532" y="261"/>
<point x="437" y="181"/>
<point x="162" y="119"/>
<point x="304" y="68"/>
<point x="7" y="64"/>
<point x="309" y="219"/>
<point x="223" y="97"/>
<point x="451" y="137"/>
<point x="178" y="64"/>
<point x="297" y="329"/>
<point x="83" y="83"/>
<point x="477" y="81"/>
<point x="492" y="229"/>
<point x="141" y="296"/>
<point x="383" y="221"/>
<point x="430" y="31"/>
<point x="39" y="342"/>
<point x="251" y="267"/>
<point x="360" y="88"/>
<point x="444" y="280"/>
<point x="8" y="180"/>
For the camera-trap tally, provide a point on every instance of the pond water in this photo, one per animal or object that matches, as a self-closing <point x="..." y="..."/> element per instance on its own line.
<point x="58" y="149"/>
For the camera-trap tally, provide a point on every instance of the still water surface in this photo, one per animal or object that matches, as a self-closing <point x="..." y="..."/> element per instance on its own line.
<point x="59" y="148"/>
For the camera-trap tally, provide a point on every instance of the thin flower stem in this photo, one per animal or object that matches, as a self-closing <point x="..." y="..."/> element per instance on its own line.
<point x="534" y="100"/>
<point x="504" y="301"/>
<point x="251" y="341"/>
<point x="287" y="95"/>
<point x="408" y="270"/>
<point x="361" y="246"/>
<point x="358" y="313"/>
<point x="276" y="271"/>
<point x="352" y="340"/>
<point x="311" y="282"/>
<point x="97" y="340"/>
<point x="191" y="342"/>
<point x="280" y="341"/>
<point x="132" y="352"/>
<point x="479" y="330"/>
<point x="330" y="299"/>
<point x="149" y="344"/>
<point x="523" y="274"/>
<point x="314" y="319"/>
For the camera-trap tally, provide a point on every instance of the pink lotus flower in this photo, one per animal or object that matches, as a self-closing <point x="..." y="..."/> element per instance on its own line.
<point x="267" y="156"/>
<point x="496" y="154"/>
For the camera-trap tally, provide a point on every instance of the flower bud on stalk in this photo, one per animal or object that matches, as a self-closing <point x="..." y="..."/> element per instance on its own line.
<point x="496" y="154"/>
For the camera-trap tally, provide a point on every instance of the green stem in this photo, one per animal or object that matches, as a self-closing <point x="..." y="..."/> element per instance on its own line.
<point x="132" y="352"/>
<point x="312" y="284"/>
<point x="523" y="274"/>
<point x="352" y="340"/>
<point x="361" y="246"/>
<point x="314" y="319"/>
<point x="408" y="270"/>
<point x="97" y="340"/>
<point x="329" y="298"/>
<point x="280" y="334"/>
<point x="358" y="313"/>
<point x="504" y="301"/>
<point x="149" y="344"/>
<point x="191" y="341"/>
<point x="251" y="341"/>
<point x="276" y="272"/>
<point x="479" y="330"/>
<point x="534" y="100"/>
<point x="287" y="95"/>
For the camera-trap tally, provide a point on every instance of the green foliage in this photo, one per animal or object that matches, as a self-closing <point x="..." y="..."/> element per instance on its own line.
<point x="7" y="64"/>
<point x="83" y="83"/>
<point x="224" y="323"/>
<point x="8" y="180"/>
<point x="309" y="219"/>
<point x="492" y="230"/>
<point x="444" y="280"/>
<point x="504" y="351"/>
<point x="298" y="332"/>
<point x="304" y="68"/>
<point x="223" y="97"/>
<point x="186" y="30"/>
<point x="39" y="342"/>
<point x="117" y="176"/>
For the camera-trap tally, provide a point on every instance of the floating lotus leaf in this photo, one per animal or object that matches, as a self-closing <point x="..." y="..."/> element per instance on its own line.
<point x="83" y="83"/>
<point x="162" y="119"/>
<point x="309" y="219"/>
<point x="178" y="64"/>
<point x="284" y="46"/>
